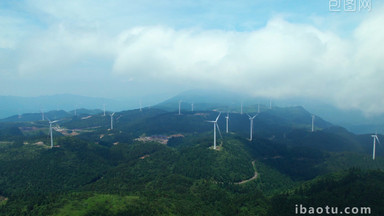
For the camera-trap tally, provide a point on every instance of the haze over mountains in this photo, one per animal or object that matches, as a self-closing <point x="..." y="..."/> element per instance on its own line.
<point x="353" y="120"/>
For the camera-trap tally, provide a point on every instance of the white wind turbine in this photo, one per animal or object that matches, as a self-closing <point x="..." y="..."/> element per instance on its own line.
<point x="141" y="106"/>
<point x="179" y="107"/>
<point x="251" y="126"/>
<point x="375" y="137"/>
<point x="313" y="123"/>
<point x="42" y="114"/>
<point x="104" y="108"/>
<point x="192" y="107"/>
<point x="226" y="120"/>
<point x="241" y="108"/>
<point x="215" y="125"/>
<point x="112" y="120"/>
<point x="50" y="130"/>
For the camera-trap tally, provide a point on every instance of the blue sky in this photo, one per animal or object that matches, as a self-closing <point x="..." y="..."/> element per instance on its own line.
<point x="274" y="48"/>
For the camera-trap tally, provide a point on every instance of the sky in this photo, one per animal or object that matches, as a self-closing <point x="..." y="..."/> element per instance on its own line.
<point x="124" y="48"/>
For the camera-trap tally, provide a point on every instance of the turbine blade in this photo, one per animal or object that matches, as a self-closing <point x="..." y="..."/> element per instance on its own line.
<point x="249" y="115"/>
<point x="218" y="117"/>
<point x="377" y="138"/>
<point x="217" y="125"/>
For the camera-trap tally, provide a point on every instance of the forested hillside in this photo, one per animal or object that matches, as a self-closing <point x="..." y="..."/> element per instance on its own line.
<point x="155" y="162"/>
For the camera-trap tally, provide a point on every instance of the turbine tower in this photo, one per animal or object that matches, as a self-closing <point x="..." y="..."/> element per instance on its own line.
<point x="214" y="130"/>
<point x="375" y="137"/>
<point x="313" y="123"/>
<point x="179" y="107"/>
<point x="104" y="108"/>
<point x="241" y="108"/>
<point x="226" y="120"/>
<point x="270" y="104"/>
<point x="251" y="126"/>
<point x="42" y="115"/>
<point x="112" y="120"/>
<point x="192" y="107"/>
<point x="141" y="106"/>
<point x="50" y="130"/>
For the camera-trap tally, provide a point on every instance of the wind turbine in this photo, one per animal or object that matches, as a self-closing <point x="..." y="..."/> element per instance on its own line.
<point x="42" y="115"/>
<point x="192" y="107"/>
<point x="215" y="125"/>
<point x="375" y="137"/>
<point x="179" y="107"/>
<point x="141" y="106"/>
<point x="251" y="126"/>
<point x="313" y="123"/>
<point x="50" y="130"/>
<point x="226" y="119"/>
<point x="270" y="104"/>
<point x="112" y="120"/>
<point x="241" y="108"/>
<point x="104" y="108"/>
<point x="75" y="110"/>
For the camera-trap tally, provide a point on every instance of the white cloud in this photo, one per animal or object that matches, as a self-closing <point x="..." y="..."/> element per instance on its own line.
<point x="281" y="59"/>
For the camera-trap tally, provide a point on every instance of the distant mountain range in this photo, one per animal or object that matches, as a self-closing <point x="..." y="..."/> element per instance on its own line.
<point x="11" y="105"/>
<point x="353" y="120"/>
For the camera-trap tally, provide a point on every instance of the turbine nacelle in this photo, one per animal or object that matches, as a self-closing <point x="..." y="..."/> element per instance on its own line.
<point x="252" y="117"/>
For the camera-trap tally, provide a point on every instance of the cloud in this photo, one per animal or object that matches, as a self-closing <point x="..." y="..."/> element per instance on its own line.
<point x="280" y="59"/>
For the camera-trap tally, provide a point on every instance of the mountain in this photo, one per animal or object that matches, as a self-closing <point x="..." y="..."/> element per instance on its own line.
<point x="157" y="162"/>
<point x="12" y="105"/>
<point x="52" y="115"/>
<point x="354" y="120"/>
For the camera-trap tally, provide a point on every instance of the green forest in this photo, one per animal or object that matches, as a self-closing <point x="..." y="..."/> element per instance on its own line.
<point x="109" y="172"/>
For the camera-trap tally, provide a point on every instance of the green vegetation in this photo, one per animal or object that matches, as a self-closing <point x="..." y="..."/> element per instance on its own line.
<point x="353" y="188"/>
<point x="108" y="172"/>
<point x="100" y="204"/>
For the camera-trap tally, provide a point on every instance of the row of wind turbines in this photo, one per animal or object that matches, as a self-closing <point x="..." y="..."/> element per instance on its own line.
<point x="251" y="118"/>
<point x="215" y="125"/>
